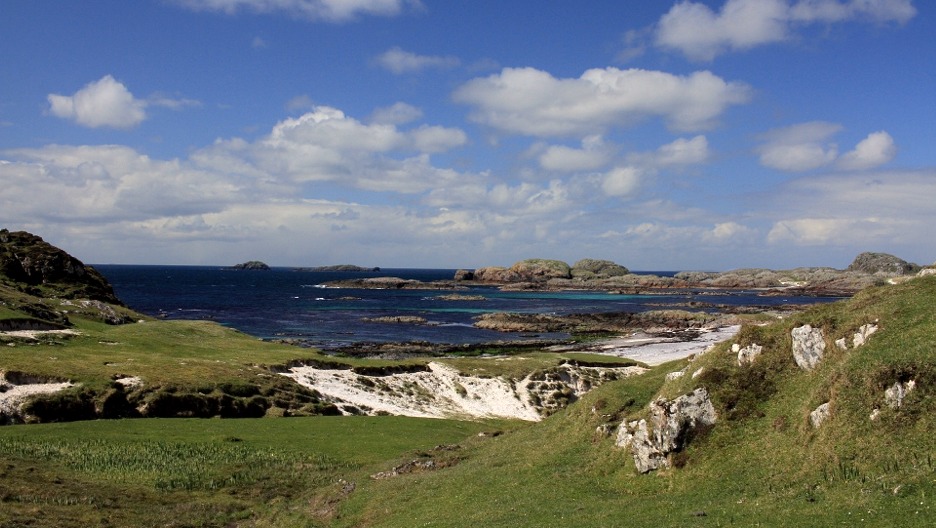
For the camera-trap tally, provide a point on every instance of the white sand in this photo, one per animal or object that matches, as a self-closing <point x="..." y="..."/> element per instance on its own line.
<point x="15" y="395"/>
<point x="655" y="350"/>
<point x="35" y="334"/>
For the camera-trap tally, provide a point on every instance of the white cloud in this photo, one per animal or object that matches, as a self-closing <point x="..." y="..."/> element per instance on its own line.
<point x="399" y="61"/>
<point x="621" y="182"/>
<point x="105" y="102"/>
<point x="325" y="145"/>
<point x="800" y="147"/>
<point x="807" y="146"/>
<point x="327" y="10"/>
<point x="396" y="114"/>
<point x="700" y="33"/>
<point x="880" y="11"/>
<point x="594" y="154"/>
<point x="724" y="231"/>
<point x="886" y="210"/>
<point x="695" y="30"/>
<point x="532" y="102"/>
<point x="875" y="150"/>
<point x="682" y="152"/>
<point x="108" y="103"/>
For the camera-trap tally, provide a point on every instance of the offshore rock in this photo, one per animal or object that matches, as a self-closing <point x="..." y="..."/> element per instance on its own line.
<point x="671" y="427"/>
<point x="252" y="265"/>
<point x="808" y="346"/>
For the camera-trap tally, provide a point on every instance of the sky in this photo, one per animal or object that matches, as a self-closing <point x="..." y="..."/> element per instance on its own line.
<point x="662" y="135"/>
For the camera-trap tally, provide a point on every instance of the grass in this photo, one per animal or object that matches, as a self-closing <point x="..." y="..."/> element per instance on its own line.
<point x="185" y="472"/>
<point x="762" y="464"/>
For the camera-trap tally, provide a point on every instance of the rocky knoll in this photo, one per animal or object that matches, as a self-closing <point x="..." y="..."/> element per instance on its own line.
<point x="882" y="263"/>
<point x="33" y="266"/>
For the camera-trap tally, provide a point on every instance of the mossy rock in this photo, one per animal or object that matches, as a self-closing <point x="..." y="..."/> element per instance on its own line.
<point x="542" y="269"/>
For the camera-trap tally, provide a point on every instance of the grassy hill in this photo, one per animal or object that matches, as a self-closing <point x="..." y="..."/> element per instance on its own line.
<point x="763" y="462"/>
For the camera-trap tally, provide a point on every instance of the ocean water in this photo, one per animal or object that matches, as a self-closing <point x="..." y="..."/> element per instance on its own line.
<point x="289" y="303"/>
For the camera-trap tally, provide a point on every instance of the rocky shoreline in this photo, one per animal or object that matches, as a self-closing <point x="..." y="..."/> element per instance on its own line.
<point x="868" y="269"/>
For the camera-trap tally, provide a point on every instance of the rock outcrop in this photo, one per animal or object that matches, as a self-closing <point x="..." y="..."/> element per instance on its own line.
<point x="38" y="268"/>
<point x="808" y="346"/>
<point x="819" y="415"/>
<point x="672" y="425"/>
<point x="597" y="269"/>
<point x="883" y="263"/>
<point x="894" y="396"/>
<point x="748" y="354"/>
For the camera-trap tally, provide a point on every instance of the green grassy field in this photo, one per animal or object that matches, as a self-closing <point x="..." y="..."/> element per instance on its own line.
<point x="762" y="464"/>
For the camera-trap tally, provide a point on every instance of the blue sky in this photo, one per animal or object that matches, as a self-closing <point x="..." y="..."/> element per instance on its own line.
<point x="421" y="133"/>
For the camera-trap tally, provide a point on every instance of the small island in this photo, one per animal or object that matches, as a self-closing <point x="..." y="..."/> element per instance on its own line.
<point x="340" y="267"/>
<point x="251" y="265"/>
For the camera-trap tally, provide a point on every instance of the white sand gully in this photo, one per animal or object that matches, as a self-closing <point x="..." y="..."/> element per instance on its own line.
<point x="441" y="392"/>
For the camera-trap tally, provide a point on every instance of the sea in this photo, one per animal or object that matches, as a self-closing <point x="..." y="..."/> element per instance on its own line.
<point x="296" y="304"/>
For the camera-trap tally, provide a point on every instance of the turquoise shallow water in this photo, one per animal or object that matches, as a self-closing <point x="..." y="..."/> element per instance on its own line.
<point x="286" y="303"/>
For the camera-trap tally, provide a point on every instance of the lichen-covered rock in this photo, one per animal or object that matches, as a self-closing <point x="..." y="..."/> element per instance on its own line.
<point x="895" y="395"/>
<point x="671" y="426"/>
<point x="808" y="346"/>
<point x="748" y="354"/>
<point x="819" y="415"/>
<point x="863" y="333"/>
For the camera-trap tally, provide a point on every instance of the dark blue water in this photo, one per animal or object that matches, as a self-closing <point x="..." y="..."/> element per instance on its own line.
<point x="288" y="303"/>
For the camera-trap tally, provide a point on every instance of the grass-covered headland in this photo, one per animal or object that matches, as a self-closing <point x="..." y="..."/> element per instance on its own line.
<point x="764" y="462"/>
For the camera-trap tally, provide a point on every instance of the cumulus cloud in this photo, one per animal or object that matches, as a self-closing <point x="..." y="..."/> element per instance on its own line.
<point x="326" y="10"/>
<point x="532" y="102"/>
<point x="800" y="147"/>
<point x="807" y="146"/>
<point x="108" y="103"/>
<point x="681" y="152"/>
<point x="396" y="114"/>
<point x="102" y="103"/>
<point x="875" y="150"/>
<point x="621" y="181"/>
<point x="594" y="154"/>
<point x="700" y="33"/>
<point x="398" y="61"/>
<point x="325" y="145"/>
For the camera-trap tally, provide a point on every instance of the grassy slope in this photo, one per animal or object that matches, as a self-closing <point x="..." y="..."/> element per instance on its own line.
<point x="762" y="463"/>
